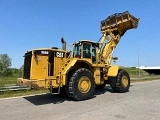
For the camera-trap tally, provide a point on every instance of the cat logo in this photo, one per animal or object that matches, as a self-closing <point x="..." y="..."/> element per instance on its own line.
<point x="59" y="54"/>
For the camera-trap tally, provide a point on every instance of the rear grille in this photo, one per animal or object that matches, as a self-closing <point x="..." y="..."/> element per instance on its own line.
<point x="27" y="65"/>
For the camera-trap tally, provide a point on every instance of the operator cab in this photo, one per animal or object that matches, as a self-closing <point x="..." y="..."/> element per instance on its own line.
<point x="85" y="49"/>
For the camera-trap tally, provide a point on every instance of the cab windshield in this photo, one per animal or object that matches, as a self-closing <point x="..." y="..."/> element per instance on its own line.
<point x="85" y="50"/>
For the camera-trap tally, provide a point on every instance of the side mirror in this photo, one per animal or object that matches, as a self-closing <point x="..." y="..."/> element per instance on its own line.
<point x="114" y="58"/>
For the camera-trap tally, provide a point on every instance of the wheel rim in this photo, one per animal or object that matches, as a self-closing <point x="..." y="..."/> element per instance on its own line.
<point x="84" y="84"/>
<point x="124" y="81"/>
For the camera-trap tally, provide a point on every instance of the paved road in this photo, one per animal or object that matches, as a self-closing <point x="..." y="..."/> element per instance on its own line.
<point x="141" y="103"/>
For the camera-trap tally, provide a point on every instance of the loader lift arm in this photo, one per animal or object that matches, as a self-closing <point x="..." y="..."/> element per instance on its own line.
<point x="113" y="28"/>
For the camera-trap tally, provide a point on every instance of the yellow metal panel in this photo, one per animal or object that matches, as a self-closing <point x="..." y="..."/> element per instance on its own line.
<point x="53" y="80"/>
<point x="39" y="67"/>
<point x="97" y="75"/>
<point x="58" y="63"/>
<point x="72" y="63"/>
<point x="67" y="68"/>
<point x="113" y="71"/>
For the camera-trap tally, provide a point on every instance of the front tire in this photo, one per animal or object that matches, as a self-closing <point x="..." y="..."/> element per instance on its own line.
<point x="81" y="84"/>
<point x="122" y="82"/>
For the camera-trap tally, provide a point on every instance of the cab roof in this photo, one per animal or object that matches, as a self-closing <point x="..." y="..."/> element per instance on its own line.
<point x="85" y="41"/>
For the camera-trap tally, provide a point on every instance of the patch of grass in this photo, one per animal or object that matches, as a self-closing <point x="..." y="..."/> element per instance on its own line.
<point x="7" y="81"/>
<point x="135" y="72"/>
<point x="6" y="94"/>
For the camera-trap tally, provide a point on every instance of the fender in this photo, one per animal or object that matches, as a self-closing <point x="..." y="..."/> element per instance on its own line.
<point x="69" y="67"/>
<point x="71" y="64"/>
<point x="113" y="71"/>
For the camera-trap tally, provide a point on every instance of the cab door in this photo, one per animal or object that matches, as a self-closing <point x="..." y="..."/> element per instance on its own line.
<point x="87" y="50"/>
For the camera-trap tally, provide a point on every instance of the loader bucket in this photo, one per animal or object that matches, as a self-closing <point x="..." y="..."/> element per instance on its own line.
<point x="119" y="23"/>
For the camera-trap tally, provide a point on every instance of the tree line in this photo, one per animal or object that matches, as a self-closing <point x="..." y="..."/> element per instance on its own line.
<point x="5" y="67"/>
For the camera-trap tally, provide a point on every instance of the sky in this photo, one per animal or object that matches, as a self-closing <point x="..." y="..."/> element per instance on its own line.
<point x="29" y="24"/>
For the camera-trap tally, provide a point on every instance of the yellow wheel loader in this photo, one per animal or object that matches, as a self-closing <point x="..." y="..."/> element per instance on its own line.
<point x="77" y="73"/>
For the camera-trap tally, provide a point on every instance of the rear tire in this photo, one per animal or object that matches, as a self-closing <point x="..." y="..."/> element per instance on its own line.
<point x="81" y="85"/>
<point x="122" y="82"/>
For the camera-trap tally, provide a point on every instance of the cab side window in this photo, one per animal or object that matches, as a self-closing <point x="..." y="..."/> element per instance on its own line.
<point x="86" y="50"/>
<point x="93" y="53"/>
<point x="77" y="51"/>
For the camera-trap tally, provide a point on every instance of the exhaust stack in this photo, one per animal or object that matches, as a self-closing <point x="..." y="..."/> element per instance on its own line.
<point x="63" y="44"/>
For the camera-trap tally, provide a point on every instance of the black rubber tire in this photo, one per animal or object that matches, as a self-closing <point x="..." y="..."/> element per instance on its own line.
<point x="73" y="91"/>
<point x="119" y="87"/>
